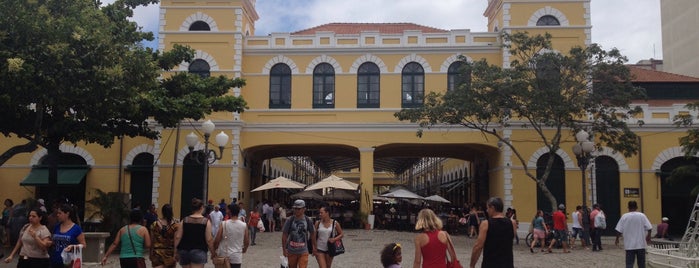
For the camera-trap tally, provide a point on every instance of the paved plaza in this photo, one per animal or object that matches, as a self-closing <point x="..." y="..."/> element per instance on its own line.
<point x="363" y="247"/>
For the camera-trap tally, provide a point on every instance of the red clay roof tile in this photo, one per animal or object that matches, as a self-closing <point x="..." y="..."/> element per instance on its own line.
<point x="645" y="75"/>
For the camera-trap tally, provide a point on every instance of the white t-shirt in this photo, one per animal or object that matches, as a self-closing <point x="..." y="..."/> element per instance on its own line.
<point x="576" y="219"/>
<point x="634" y="226"/>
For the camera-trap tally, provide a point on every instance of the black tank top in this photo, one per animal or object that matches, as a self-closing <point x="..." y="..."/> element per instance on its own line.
<point x="193" y="234"/>
<point x="497" y="251"/>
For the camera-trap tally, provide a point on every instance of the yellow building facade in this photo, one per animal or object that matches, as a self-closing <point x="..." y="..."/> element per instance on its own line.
<point x="327" y="96"/>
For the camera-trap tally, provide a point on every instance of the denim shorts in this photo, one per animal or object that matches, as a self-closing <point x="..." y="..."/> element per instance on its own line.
<point x="577" y="232"/>
<point x="195" y="256"/>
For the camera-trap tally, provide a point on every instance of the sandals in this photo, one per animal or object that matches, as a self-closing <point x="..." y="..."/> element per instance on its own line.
<point x="531" y="250"/>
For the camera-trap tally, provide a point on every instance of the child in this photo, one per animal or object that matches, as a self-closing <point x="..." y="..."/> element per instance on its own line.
<point x="391" y="256"/>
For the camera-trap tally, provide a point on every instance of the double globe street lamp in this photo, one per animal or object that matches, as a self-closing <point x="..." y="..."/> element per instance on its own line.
<point x="210" y="155"/>
<point x="583" y="152"/>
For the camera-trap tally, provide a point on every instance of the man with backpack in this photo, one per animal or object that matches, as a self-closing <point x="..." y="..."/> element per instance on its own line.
<point x="636" y="229"/>
<point x="298" y="237"/>
<point x="599" y="223"/>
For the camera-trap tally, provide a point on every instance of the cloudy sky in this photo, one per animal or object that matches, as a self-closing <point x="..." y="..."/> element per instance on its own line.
<point x="632" y="26"/>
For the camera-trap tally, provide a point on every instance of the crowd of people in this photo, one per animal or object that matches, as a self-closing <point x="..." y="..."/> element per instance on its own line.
<point x="223" y="233"/>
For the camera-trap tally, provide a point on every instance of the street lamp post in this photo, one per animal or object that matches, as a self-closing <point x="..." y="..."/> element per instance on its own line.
<point x="583" y="149"/>
<point x="211" y="155"/>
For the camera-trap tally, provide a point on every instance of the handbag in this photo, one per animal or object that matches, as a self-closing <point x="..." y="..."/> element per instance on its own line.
<point x="140" y="262"/>
<point x="221" y="262"/>
<point x="452" y="261"/>
<point x="336" y="248"/>
<point x="260" y="226"/>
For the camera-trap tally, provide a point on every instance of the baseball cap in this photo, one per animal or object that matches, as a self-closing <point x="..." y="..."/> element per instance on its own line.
<point x="299" y="204"/>
<point x="666" y="219"/>
<point x="561" y="206"/>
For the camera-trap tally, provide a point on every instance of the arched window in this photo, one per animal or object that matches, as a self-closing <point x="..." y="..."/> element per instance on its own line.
<point x="280" y="86"/>
<point x="368" y="91"/>
<point x="413" y="85"/>
<point x="458" y="74"/>
<point x="199" y="26"/>
<point x="324" y="86"/>
<point x="548" y="20"/>
<point x="200" y="67"/>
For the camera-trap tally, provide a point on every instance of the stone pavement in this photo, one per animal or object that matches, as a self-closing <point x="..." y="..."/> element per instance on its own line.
<point x="363" y="248"/>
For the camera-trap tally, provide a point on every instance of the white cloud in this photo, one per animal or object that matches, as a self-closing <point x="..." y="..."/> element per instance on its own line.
<point x="632" y="26"/>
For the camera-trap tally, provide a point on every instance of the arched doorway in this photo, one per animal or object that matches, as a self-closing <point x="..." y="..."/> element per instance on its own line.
<point x="192" y="181"/>
<point x="70" y="193"/>
<point x="676" y="198"/>
<point x="142" y="180"/>
<point x="607" y="185"/>
<point x="555" y="182"/>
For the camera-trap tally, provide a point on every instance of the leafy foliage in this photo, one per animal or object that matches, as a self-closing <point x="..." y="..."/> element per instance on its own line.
<point x="110" y="208"/>
<point x="542" y="90"/>
<point x="73" y="70"/>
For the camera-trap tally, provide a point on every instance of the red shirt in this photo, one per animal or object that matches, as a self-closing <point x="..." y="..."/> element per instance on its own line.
<point x="559" y="220"/>
<point x="434" y="253"/>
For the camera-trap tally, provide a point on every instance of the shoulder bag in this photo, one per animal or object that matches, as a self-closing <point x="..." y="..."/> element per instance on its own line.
<point x="140" y="261"/>
<point x="452" y="261"/>
<point x="336" y="248"/>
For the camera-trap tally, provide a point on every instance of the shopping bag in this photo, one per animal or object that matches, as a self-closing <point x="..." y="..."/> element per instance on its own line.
<point x="285" y="262"/>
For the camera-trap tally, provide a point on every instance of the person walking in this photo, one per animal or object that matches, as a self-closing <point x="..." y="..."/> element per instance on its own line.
<point x="662" y="229"/>
<point x="297" y="232"/>
<point x="473" y="222"/>
<point x="242" y="215"/>
<point x="162" y="233"/>
<point x="495" y="238"/>
<point x="66" y="235"/>
<point x="595" y="229"/>
<point x="577" y="216"/>
<point x="194" y="238"/>
<point x="215" y="217"/>
<point x="539" y="231"/>
<point x="269" y="216"/>
<point x="134" y="240"/>
<point x="233" y="238"/>
<point x="34" y="241"/>
<point x="636" y="229"/>
<point x="6" y="214"/>
<point x="329" y="231"/>
<point x="252" y="225"/>
<point x="432" y="244"/>
<point x="560" y="229"/>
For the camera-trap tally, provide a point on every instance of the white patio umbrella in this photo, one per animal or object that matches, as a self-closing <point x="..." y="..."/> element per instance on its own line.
<point x="437" y="198"/>
<point x="280" y="183"/>
<point x="333" y="182"/>
<point x="307" y="195"/>
<point x="340" y="195"/>
<point x="402" y="193"/>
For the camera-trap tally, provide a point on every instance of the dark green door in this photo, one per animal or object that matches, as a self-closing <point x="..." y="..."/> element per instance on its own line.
<point x="608" y="194"/>
<point x="192" y="179"/>
<point x="142" y="180"/>
<point x="555" y="182"/>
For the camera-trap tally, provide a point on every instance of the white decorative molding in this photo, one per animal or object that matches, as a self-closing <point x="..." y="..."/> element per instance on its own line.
<point x="199" y="16"/>
<point x="131" y="155"/>
<point x="324" y="59"/>
<point x="64" y="148"/>
<point x="567" y="161"/>
<point x="548" y="10"/>
<point x="368" y="58"/>
<point x="280" y="59"/>
<point x="619" y="158"/>
<point x="413" y="58"/>
<point x="667" y="155"/>
<point x="444" y="68"/>
<point x="198" y="54"/>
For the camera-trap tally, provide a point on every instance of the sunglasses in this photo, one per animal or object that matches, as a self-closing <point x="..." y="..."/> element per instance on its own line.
<point x="397" y="246"/>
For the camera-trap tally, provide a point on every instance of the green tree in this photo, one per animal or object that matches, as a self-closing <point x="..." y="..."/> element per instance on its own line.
<point x="541" y="90"/>
<point x="74" y="71"/>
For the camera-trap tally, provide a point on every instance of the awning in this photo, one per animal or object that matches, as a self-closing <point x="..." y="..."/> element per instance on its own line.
<point x="67" y="175"/>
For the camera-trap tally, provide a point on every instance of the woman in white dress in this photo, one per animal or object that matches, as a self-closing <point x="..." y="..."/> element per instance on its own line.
<point x="232" y="238"/>
<point x="328" y="230"/>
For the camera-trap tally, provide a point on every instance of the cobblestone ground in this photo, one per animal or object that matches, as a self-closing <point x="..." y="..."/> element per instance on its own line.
<point x="363" y="247"/>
